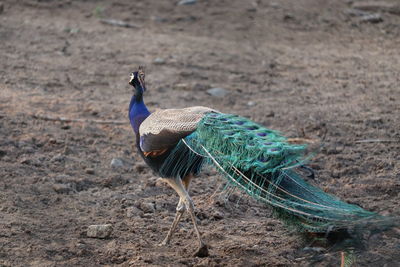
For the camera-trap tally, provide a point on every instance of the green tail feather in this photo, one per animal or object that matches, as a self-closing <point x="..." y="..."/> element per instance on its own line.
<point x="260" y="162"/>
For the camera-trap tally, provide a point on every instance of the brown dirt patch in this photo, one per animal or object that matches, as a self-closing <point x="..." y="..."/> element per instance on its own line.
<point x="302" y="67"/>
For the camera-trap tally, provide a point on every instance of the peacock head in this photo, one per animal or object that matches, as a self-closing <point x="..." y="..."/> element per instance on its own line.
<point x="137" y="81"/>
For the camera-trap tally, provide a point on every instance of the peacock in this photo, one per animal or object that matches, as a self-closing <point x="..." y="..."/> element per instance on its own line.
<point x="177" y="143"/>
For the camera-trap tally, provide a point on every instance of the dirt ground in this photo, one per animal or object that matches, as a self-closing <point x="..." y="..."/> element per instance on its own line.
<point x="307" y="68"/>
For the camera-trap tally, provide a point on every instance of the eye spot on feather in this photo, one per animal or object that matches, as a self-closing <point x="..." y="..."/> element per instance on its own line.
<point x="213" y="115"/>
<point x="239" y="122"/>
<point x="223" y="119"/>
<point x="268" y="143"/>
<point x="262" y="134"/>
<point x="251" y="128"/>
<point x="262" y="159"/>
<point x="275" y="149"/>
<point x="251" y="144"/>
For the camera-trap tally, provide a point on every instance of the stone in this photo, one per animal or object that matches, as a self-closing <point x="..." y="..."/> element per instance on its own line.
<point x="159" y="19"/>
<point x="217" y="92"/>
<point x="377" y="6"/>
<point x="133" y="212"/>
<point x="182" y="86"/>
<point x="117" y="163"/>
<point x="313" y="249"/>
<point x="159" y="61"/>
<point x="218" y="215"/>
<point x="99" y="231"/>
<point x="58" y="158"/>
<point x="356" y="12"/>
<point x="89" y="171"/>
<point x="371" y="18"/>
<point x="147" y="207"/>
<point x="62" y="188"/>
<point x="187" y="2"/>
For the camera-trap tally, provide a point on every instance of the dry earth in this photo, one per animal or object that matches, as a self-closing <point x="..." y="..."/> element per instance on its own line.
<point x="307" y="68"/>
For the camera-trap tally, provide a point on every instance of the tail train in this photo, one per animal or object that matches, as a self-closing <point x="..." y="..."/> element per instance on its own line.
<point x="263" y="164"/>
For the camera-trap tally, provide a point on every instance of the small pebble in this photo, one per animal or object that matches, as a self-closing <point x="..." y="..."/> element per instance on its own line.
<point x="159" y="61"/>
<point x="377" y="6"/>
<point x="58" y="158"/>
<point x="99" y="231"/>
<point x="133" y="212"/>
<point x="314" y="249"/>
<point x="217" y="92"/>
<point x="62" y="188"/>
<point x="187" y="2"/>
<point x="117" y="163"/>
<point x="372" y="18"/>
<point x="147" y="207"/>
<point x="89" y="171"/>
<point x="218" y="215"/>
<point x="182" y="86"/>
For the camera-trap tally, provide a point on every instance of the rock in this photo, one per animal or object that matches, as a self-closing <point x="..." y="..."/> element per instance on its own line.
<point x="89" y="171"/>
<point x="58" y="158"/>
<point x="371" y="18"/>
<point x="218" y="215"/>
<point x="183" y="86"/>
<point x="335" y="174"/>
<point x="147" y="207"/>
<point x="28" y="161"/>
<point x="119" y="23"/>
<point x="117" y="163"/>
<point x="356" y="12"/>
<point x="133" y="212"/>
<point x="159" y="19"/>
<point x="270" y="114"/>
<point x="140" y="168"/>
<point x="25" y="161"/>
<point x="251" y="103"/>
<point x="1" y="8"/>
<point x="159" y="61"/>
<point x="62" y="188"/>
<point x="187" y="2"/>
<point x="377" y="6"/>
<point x="331" y="150"/>
<point x="313" y="249"/>
<point x="114" y="181"/>
<point x="217" y="92"/>
<point x="99" y="231"/>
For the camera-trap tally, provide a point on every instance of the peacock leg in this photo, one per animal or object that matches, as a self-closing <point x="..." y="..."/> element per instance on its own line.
<point x="180" y="210"/>
<point x="177" y="185"/>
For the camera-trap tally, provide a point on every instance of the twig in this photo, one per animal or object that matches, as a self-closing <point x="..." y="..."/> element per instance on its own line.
<point x="301" y="140"/>
<point x="47" y="118"/>
<point x="378" y="141"/>
<point x="118" y="23"/>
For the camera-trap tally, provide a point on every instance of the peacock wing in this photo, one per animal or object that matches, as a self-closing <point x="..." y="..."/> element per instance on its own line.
<point x="164" y="128"/>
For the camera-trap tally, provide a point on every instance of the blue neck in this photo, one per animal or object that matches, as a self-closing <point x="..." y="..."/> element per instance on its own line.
<point x="138" y="112"/>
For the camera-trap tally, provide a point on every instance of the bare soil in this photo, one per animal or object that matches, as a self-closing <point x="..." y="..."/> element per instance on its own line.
<point x="305" y="67"/>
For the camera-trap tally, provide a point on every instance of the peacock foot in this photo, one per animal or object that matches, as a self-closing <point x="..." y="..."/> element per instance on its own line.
<point x="202" y="251"/>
